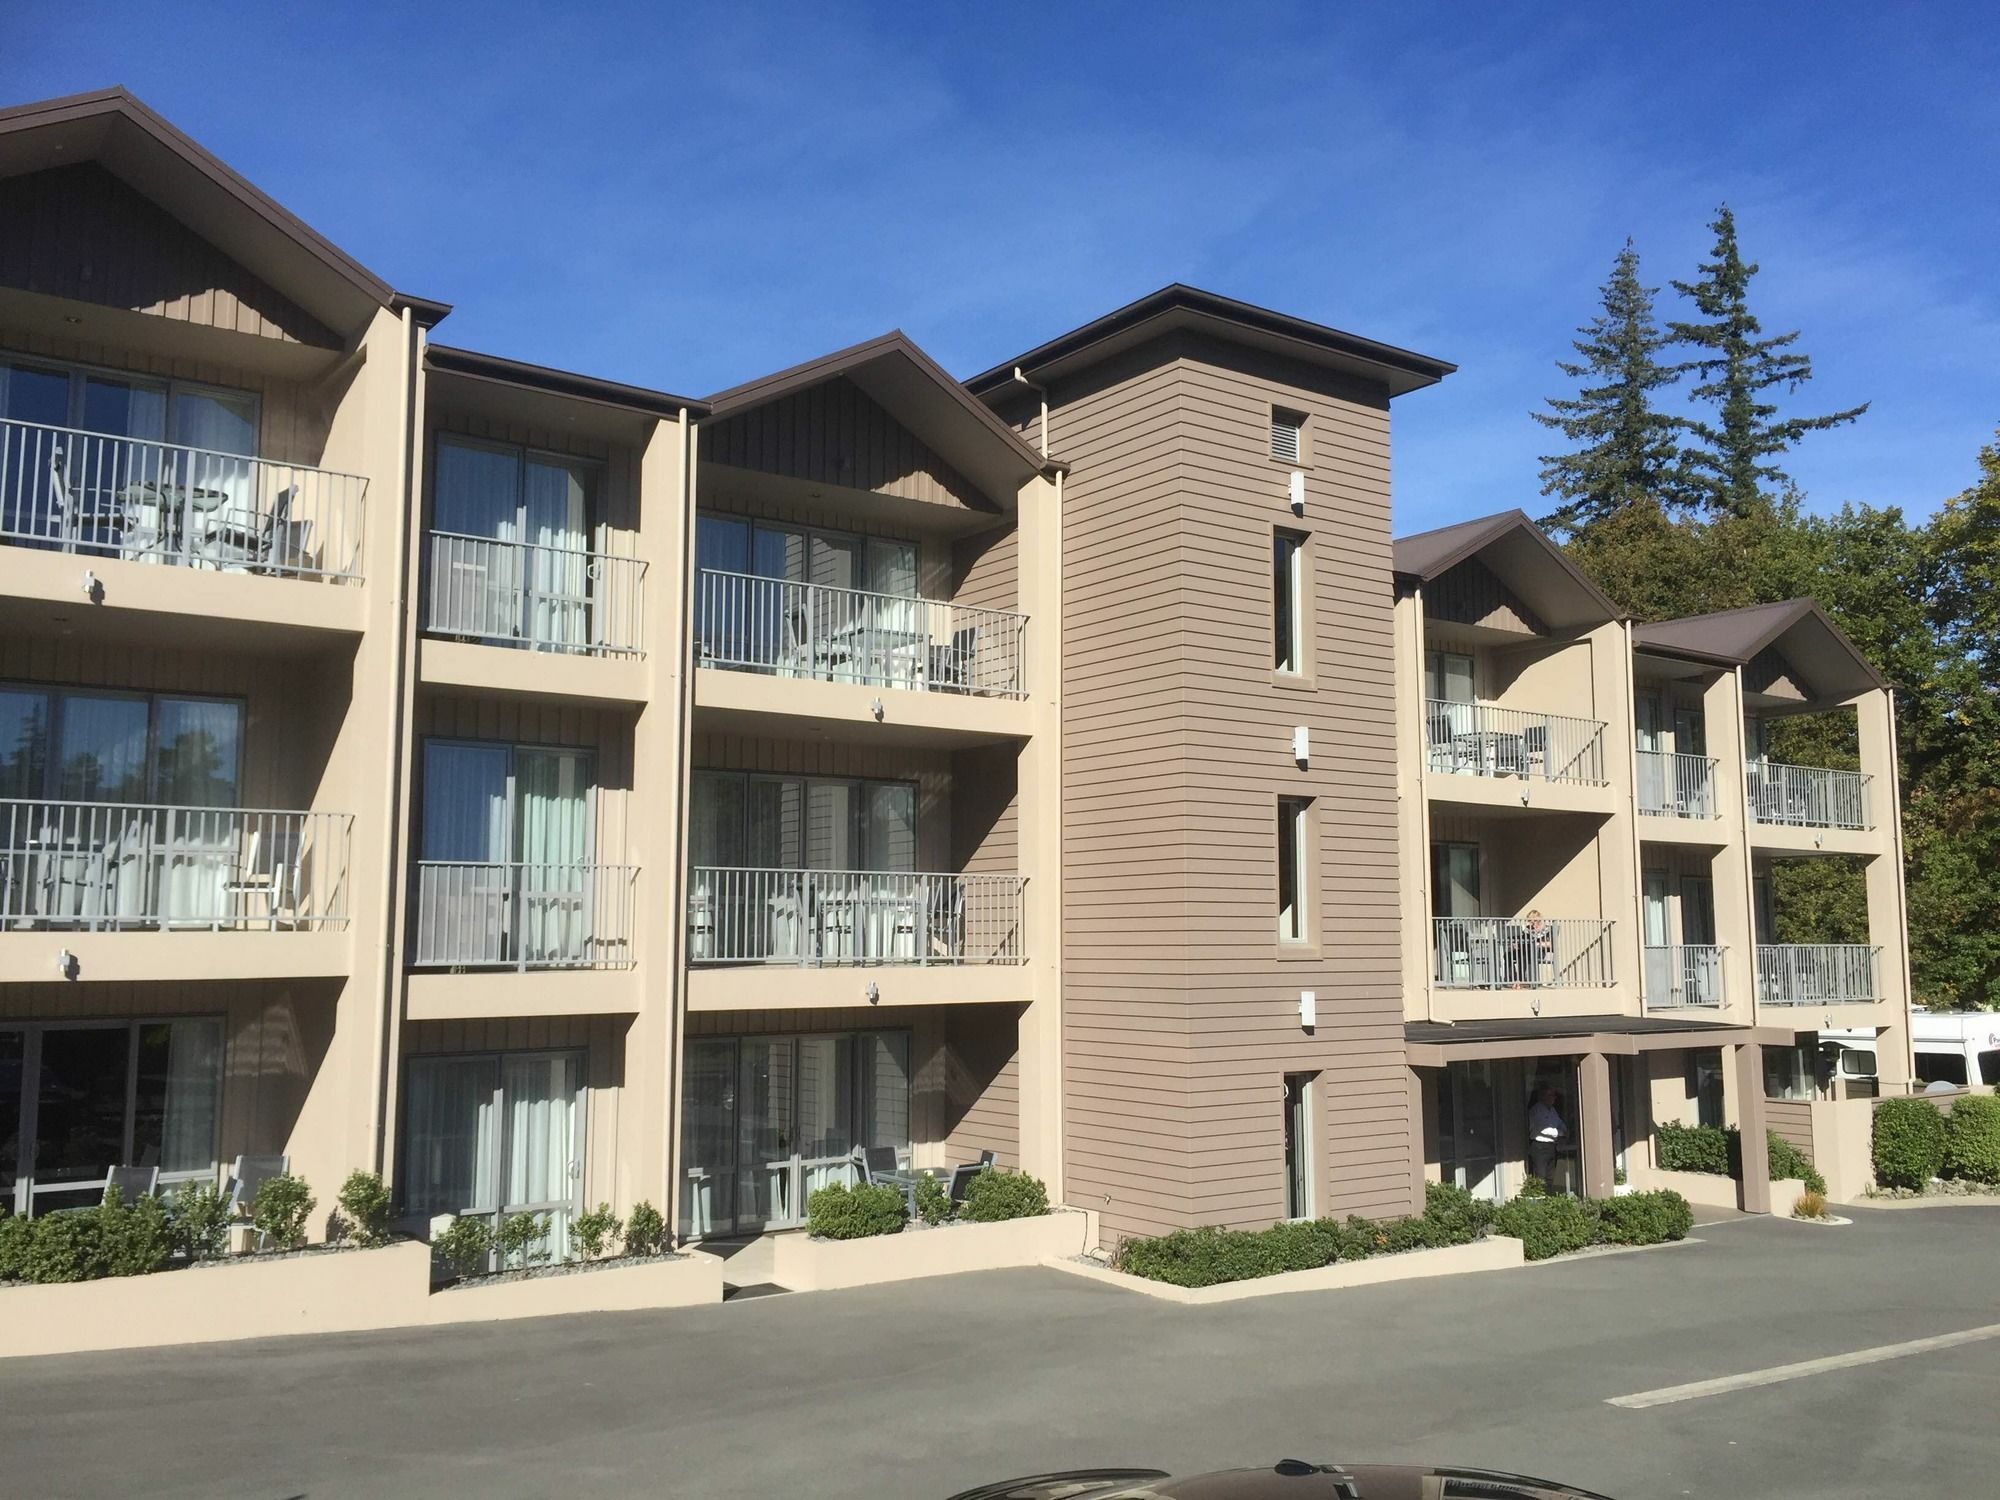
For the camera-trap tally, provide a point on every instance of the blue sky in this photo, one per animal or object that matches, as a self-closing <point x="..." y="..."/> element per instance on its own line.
<point x="684" y="197"/>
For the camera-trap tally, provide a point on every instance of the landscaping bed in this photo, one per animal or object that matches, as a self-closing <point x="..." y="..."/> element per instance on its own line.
<point x="1918" y="1151"/>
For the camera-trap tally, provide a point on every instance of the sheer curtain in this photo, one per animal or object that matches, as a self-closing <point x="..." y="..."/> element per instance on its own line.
<point x="193" y="1096"/>
<point x="198" y="747"/>
<point x="477" y="494"/>
<point x="542" y="1157"/>
<point x="463" y="884"/>
<point x="556" y="506"/>
<point x="554" y="843"/>
<point x="451" y="1133"/>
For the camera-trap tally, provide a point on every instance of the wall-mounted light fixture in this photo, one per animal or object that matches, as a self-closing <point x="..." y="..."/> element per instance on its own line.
<point x="66" y="964"/>
<point x="1308" y="1009"/>
<point x="1298" y="492"/>
<point x="1301" y="743"/>
<point x="874" y="992"/>
<point x="875" y="708"/>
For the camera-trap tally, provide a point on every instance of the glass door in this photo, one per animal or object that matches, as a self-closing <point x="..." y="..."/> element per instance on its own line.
<point x="1452" y="715"/>
<point x="465" y="883"/>
<point x="13" y="1080"/>
<point x="708" y="1137"/>
<point x="1469" y="1130"/>
<point x="1464" y="954"/>
<point x="556" y="502"/>
<point x="1702" y="977"/>
<point x="552" y="846"/>
<point x="543" y="1141"/>
<point x="1652" y="744"/>
<point x="1654" y="918"/>
<point x="766" y="1132"/>
<point x="80" y="1118"/>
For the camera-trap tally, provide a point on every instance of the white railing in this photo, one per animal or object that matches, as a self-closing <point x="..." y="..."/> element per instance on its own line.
<point x="1479" y="739"/>
<point x="804" y="917"/>
<point x="789" y="629"/>
<point x="165" y="503"/>
<point x="523" y="916"/>
<point x="1806" y="796"/>
<point x="1674" y="785"/>
<point x="118" y="866"/>
<point x="1520" y="952"/>
<point x="543" y="598"/>
<point x="1816" y="973"/>
<point x="1683" y="974"/>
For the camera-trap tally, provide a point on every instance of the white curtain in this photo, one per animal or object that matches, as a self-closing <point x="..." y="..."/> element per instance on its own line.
<point x="542" y="1104"/>
<point x="451" y="1136"/>
<point x="198" y="750"/>
<point x="554" y="843"/>
<point x="556" y="507"/>
<point x="477" y="494"/>
<point x="193" y="1095"/>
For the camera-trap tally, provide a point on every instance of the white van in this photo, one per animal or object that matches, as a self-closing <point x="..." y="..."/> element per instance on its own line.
<point x="1954" y="1047"/>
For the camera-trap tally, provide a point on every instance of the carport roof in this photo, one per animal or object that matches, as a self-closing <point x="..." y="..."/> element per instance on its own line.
<point x="1433" y="1043"/>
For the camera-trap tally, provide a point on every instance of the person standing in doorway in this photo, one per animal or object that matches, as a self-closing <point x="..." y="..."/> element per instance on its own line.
<point x="1545" y="1133"/>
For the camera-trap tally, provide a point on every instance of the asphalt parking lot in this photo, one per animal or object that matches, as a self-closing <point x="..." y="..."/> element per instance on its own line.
<point x="928" y="1387"/>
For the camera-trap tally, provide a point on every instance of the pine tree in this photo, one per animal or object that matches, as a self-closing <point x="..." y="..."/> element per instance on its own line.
<point x="1730" y="471"/>
<point x="1628" y="451"/>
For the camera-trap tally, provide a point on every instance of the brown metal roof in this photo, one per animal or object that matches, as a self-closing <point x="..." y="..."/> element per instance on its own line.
<point x="559" y="382"/>
<point x="1179" y="306"/>
<point x="112" y="127"/>
<point x="1522" y="554"/>
<point x="1736" y="637"/>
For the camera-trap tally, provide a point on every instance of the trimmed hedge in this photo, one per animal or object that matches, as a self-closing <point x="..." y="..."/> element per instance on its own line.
<point x="1645" y="1218"/>
<point x="1908" y="1147"/>
<point x="1694" y="1148"/>
<point x="87" y="1244"/>
<point x="1972" y="1139"/>
<point x="840" y="1212"/>
<point x="995" y="1195"/>
<point x="1788" y="1160"/>
<point x="1552" y="1225"/>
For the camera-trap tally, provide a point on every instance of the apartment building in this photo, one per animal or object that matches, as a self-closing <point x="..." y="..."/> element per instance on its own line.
<point x="548" y="791"/>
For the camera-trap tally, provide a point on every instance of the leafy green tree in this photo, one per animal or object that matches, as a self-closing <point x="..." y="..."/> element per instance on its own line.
<point x="1731" y="467"/>
<point x="1626" y="452"/>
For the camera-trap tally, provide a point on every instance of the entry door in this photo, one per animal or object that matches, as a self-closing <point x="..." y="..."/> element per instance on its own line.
<point x="1658" y="935"/>
<point x="766" y="1132"/>
<point x="1448" y="683"/>
<point x="1469" y="1128"/>
<point x="524" y="575"/>
<point x="1461" y="953"/>
<point x="1651" y="740"/>
<point x="1690" y="730"/>
<point x="1702" y="979"/>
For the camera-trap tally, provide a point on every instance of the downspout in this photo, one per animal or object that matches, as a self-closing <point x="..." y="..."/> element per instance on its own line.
<point x="683" y="749"/>
<point x="393" y="778"/>
<point x="1041" y="391"/>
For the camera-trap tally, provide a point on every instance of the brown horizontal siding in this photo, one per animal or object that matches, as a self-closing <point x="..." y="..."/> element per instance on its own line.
<point x="1791" y="1120"/>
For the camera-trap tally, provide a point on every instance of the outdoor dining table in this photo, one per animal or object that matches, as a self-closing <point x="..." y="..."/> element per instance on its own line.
<point x="169" y="512"/>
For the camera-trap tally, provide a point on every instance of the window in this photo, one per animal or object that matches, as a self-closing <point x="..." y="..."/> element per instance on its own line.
<point x="1287" y="435"/>
<point x="1288" y="601"/>
<point x="1989" y="1067"/>
<point x="1704" y="1085"/>
<point x="1299" y="1145"/>
<point x="511" y="557"/>
<point x="1294" y="867"/>
<point x="743" y="820"/>
<point x="1941" y="1067"/>
<point x="119" y="747"/>
<point x="79" y="1097"/>
<point x="1788" y="1073"/>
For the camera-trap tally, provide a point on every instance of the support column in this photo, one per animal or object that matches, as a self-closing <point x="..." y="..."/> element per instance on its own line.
<point x="1593" y="1085"/>
<point x="1746" y="1078"/>
<point x="1888" y="918"/>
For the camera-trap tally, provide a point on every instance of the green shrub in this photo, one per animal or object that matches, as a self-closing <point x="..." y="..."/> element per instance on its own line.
<point x="464" y="1246"/>
<point x="281" y="1209"/>
<point x="365" y="1210"/>
<point x="16" y="1234"/>
<point x="840" y="1212"/>
<point x="1532" y="1187"/>
<point x="1788" y="1160"/>
<point x="995" y="1195"/>
<point x="1972" y="1139"/>
<point x="591" y="1234"/>
<point x="1693" y="1148"/>
<point x="65" y="1247"/>
<point x="1908" y="1147"/>
<point x="933" y="1202"/>
<point x="522" y="1240"/>
<point x="1645" y="1218"/>
<point x="1303" y="1246"/>
<point x="1459" y="1216"/>
<point x="198" y="1221"/>
<point x="645" y="1231"/>
<point x="1548" y="1226"/>
<point x="132" y="1241"/>
<point x="1201" y="1257"/>
<point x="1361" y="1238"/>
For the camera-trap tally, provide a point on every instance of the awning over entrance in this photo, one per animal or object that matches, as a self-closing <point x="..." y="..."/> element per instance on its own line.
<point x="1431" y="1044"/>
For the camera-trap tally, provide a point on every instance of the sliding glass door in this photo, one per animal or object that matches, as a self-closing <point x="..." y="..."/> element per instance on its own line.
<point x="766" y="1120"/>
<point x="494" y="1134"/>
<point x="514" y="558"/>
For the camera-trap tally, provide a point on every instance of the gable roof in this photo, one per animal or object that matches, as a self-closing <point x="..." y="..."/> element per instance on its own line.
<point x="1799" y="628"/>
<point x="1185" y="307"/>
<point x="1520" y="553"/>
<point x="114" y="129"/>
<point x="914" y="389"/>
<point x="566" y="383"/>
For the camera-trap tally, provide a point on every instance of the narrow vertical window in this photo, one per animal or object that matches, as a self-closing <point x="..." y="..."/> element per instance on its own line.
<point x="1288" y="599"/>
<point x="1299" y="1145"/>
<point x="1287" y="435"/>
<point x="1294" y="815"/>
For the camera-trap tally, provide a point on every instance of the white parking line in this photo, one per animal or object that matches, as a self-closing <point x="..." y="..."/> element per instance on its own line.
<point x="1696" y="1389"/>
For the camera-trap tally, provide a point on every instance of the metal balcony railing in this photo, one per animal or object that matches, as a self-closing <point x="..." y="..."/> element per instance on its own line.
<point x="1806" y="796"/>
<point x="523" y="916"/>
<point x="1816" y="973"/>
<point x="1479" y="739"/>
<point x="127" y="866"/>
<point x="165" y="503"/>
<point x="1674" y="785"/>
<point x="810" y="917"/>
<point x="541" y="598"/>
<point x="1679" y="975"/>
<point x="807" y="630"/>
<point x="1520" y="952"/>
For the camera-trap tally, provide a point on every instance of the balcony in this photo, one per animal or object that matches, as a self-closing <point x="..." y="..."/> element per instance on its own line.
<point x="1673" y="785"/>
<point x="538" y="598"/>
<point x="1681" y="976"/>
<point x="522" y="916"/>
<point x="1480" y="739"/>
<point x="811" y="918"/>
<point x="747" y="623"/>
<point x="1816" y="974"/>
<point x="133" y="867"/>
<point x="1487" y="953"/>
<point x="169" y="505"/>
<point x="1806" y="796"/>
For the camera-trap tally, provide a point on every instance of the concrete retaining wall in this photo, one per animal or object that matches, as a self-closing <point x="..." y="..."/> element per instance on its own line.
<point x="1494" y="1253"/>
<point x="805" y="1264"/>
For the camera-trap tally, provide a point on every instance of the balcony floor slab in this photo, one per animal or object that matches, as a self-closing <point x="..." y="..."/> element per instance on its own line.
<point x="754" y="703"/>
<point x="195" y="955"/>
<point x="784" y="987"/>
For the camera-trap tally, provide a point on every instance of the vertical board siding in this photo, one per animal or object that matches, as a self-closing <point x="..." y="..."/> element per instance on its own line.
<point x="833" y="433"/>
<point x="1181" y="1011"/>
<point x="1470" y="594"/>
